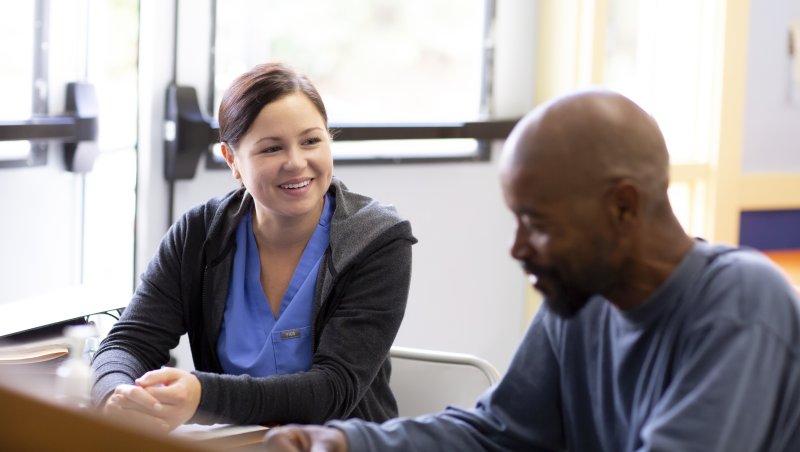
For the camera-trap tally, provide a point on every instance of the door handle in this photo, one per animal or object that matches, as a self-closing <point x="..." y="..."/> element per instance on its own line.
<point x="76" y="130"/>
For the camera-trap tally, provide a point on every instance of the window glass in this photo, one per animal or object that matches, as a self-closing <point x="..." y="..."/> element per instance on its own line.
<point x="113" y="54"/>
<point x="660" y="53"/>
<point x="415" y="61"/>
<point x="16" y="61"/>
<point x="16" y="65"/>
<point x="687" y="202"/>
<point x="70" y="228"/>
<point x="110" y="193"/>
<point x="110" y="207"/>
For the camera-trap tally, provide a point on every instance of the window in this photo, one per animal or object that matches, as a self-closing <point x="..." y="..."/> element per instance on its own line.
<point x="110" y="188"/>
<point x="69" y="227"/>
<point x="17" y="66"/>
<point x="415" y="63"/>
<point x="664" y="54"/>
<point x="16" y="61"/>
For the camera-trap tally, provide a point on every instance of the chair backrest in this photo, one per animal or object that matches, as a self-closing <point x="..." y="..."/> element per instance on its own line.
<point x="426" y="381"/>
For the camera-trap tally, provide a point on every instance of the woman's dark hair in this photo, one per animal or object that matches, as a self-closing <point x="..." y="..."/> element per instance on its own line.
<point x="256" y="88"/>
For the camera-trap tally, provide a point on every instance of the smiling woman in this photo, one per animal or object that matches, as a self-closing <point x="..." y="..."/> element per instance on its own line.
<point x="284" y="160"/>
<point x="284" y="156"/>
<point x="291" y="288"/>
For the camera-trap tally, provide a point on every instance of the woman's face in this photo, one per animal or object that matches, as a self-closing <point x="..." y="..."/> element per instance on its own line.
<point x="284" y="160"/>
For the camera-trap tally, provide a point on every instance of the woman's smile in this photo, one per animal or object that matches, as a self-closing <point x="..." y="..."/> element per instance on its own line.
<point x="297" y="187"/>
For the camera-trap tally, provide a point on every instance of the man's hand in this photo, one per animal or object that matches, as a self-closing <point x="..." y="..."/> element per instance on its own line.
<point x="295" y="438"/>
<point x="163" y="398"/>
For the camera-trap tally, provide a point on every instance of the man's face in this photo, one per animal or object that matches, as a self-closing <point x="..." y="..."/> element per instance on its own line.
<point x="563" y="239"/>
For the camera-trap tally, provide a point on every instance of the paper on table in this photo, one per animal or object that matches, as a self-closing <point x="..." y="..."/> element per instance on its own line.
<point x="197" y="432"/>
<point x="33" y="352"/>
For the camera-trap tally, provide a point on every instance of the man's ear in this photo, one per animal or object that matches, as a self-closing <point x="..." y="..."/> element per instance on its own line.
<point x="624" y="202"/>
<point x="230" y="158"/>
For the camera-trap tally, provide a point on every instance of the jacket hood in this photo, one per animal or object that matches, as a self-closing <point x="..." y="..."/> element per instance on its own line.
<point x="358" y="219"/>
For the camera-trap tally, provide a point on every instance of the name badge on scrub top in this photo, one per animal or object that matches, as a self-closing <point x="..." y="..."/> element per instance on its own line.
<point x="291" y="334"/>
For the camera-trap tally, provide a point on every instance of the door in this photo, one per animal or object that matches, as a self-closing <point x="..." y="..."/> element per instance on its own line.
<point x="68" y="128"/>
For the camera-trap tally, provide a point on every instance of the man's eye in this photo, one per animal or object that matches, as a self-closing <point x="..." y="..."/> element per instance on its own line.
<point x="533" y="225"/>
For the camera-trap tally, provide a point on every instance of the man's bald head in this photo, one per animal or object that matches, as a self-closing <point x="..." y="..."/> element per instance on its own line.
<point x="586" y="177"/>
<point x="587" y="139"/>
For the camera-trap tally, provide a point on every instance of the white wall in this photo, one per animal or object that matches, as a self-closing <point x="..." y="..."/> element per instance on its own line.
<point x="466" y="293"/>
<point x="772" y="106"/>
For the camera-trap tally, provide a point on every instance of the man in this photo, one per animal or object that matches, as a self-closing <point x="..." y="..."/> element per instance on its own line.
<point x="650" y="341"/>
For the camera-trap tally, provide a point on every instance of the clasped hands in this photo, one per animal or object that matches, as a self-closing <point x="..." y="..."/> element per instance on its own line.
<point x="168" y="397"/>
<point x="162" y="399"/>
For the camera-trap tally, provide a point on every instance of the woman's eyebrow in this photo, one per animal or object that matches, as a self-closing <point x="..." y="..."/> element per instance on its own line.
<point x="310" y="129"/>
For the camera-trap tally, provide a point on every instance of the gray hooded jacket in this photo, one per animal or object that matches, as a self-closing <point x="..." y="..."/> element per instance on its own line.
<point x="360" y="299"/>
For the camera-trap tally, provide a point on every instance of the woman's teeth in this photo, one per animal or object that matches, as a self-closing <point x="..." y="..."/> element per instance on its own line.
<point x="297" y="185"/>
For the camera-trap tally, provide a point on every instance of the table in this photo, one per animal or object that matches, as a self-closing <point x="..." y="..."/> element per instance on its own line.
<point x="29" y="421"/>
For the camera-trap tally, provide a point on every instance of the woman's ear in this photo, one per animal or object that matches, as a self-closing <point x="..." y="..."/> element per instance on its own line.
<point x="230" y="158"/>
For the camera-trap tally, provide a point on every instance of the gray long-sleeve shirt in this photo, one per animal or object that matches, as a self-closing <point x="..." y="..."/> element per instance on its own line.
<point x="710" y="362"/>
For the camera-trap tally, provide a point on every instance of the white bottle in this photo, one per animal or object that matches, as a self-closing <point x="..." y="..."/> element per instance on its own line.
<point x="74" y="376"/>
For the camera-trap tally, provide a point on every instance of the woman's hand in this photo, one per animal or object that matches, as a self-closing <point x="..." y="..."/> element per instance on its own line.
<point x="133" y="405"/>
<point x="163" y="398"/>
<point x="176" y="391"/>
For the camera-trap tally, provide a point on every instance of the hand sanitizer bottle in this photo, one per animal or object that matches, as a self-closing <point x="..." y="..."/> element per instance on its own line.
<point x="74" y="376"/>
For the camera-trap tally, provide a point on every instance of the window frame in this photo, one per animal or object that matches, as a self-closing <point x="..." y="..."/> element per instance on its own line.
<point x="184" y="115"/>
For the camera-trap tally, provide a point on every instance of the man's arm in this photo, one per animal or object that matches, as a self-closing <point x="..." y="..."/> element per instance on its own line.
<point x="523" y="412"/>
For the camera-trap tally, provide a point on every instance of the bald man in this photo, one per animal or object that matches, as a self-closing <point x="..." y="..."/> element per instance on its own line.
<point x="650" y="340"/>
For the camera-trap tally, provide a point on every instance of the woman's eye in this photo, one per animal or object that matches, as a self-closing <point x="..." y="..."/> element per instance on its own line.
<point x="311" y="141"/>
<point x="271" y="149"/>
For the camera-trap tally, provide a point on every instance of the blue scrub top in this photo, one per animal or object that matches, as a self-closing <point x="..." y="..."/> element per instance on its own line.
<point x="252" y="341"/>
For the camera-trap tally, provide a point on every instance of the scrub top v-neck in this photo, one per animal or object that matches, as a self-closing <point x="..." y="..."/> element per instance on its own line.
<point x="252" y="341"/>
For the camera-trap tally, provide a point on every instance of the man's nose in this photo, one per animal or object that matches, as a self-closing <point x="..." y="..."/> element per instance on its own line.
<point x="520" y="248"/>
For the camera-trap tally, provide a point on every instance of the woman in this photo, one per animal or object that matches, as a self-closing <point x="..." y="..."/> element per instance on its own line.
<point x="291" y="288"/>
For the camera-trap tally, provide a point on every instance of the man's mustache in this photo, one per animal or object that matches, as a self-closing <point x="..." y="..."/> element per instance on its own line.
<point x="532" y="269"/>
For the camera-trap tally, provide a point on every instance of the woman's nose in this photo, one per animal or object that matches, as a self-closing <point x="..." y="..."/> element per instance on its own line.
<point x="294" y="159"/>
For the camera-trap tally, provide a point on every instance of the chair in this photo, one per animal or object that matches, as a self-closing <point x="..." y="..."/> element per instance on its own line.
<point x="426" y="381"/>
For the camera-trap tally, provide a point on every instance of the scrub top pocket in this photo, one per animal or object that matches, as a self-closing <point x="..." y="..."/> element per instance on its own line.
<point x="292" y="350"/>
